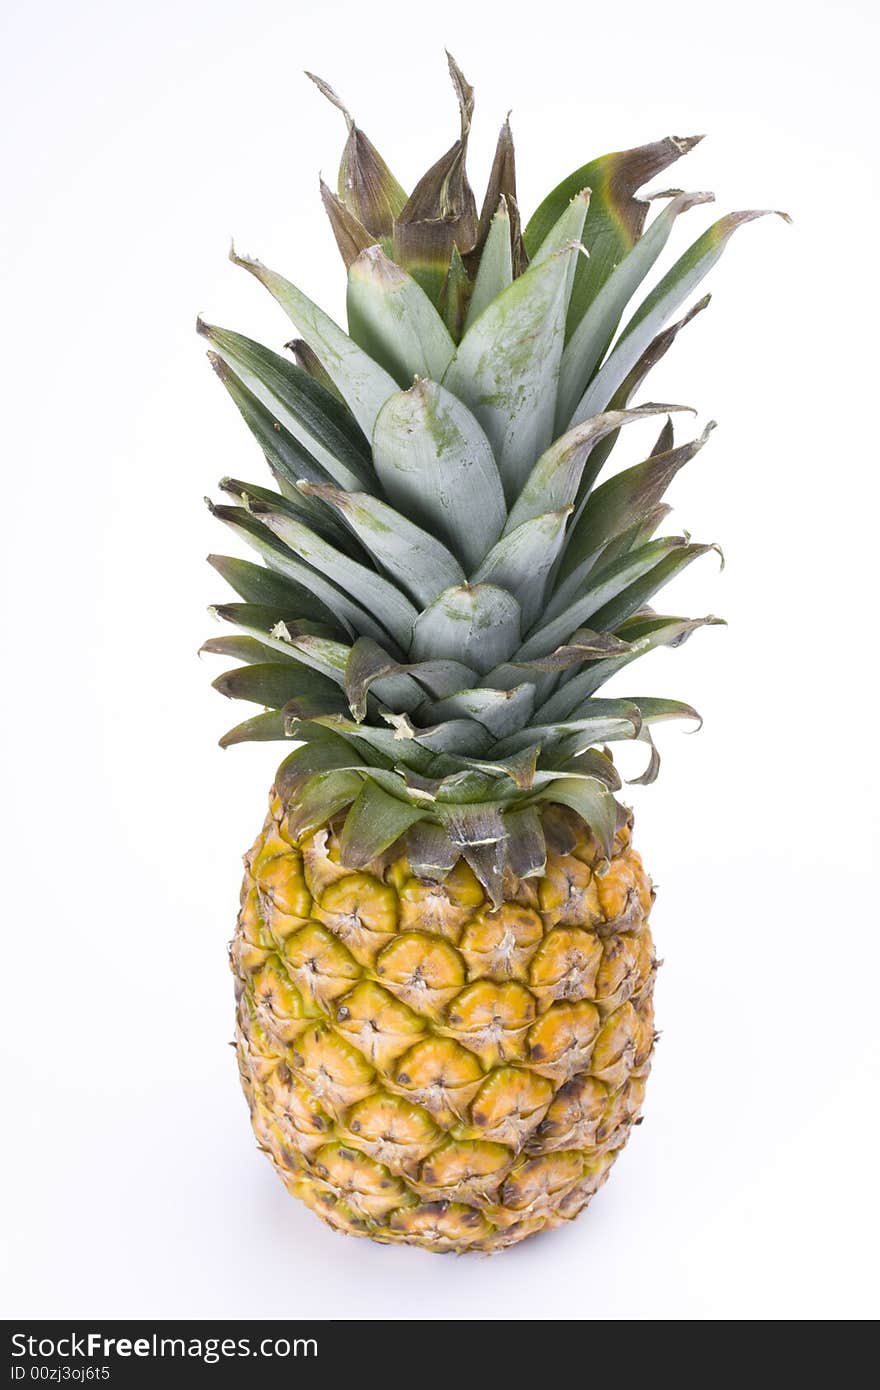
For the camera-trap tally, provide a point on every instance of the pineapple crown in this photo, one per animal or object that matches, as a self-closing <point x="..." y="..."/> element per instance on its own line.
<point x="446" y="583"/>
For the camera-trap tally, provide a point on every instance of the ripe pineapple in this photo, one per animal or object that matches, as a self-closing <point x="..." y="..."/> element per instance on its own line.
<point x="443" y="963"/>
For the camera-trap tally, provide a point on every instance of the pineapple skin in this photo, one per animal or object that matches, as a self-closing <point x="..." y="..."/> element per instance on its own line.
<point x="425" y="1069"/>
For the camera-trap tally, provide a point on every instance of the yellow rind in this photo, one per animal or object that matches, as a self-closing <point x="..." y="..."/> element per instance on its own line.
<point x="424" y="1069"/>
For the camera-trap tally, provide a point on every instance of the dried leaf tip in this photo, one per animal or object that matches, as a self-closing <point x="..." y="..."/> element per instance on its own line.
<point x="366" y="186"/>
<point x="332" y="96"/>
<point x="464" y="93"/>
<point x="685" y="143"/>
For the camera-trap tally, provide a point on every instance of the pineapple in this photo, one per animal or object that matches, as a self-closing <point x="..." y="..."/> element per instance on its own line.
<point x="443" y="963"/>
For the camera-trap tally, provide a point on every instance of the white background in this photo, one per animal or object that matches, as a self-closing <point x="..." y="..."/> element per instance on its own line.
<point x="138" y="139"/>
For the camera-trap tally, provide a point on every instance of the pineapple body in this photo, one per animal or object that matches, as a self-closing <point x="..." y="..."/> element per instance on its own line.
<point x="424" y="1068"/>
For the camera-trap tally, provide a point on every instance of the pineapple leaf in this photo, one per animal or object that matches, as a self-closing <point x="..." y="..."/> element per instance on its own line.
<point x="323" y="752"/>
<point x="440" y="215"/>
<point x="616" y="216"/>
<point x="522" y="560"/>
<point x="391" y="318"/>
<point x="655" y="351"/>
<point x="606" y="585"/>
<point x="270" y="392"/>
<point x="279" y="557"/>
<point x="507" y="366"/>
<point x="596" y="721"/>
<point x="567" y="228"/>
<point x="554" y="480"/>
<point x="246" y="649"/>
<point x="623" y="502"/>
<point x="495" y="270"/>
<point x="436" y="465"/>
<point x="660" y="304"/>
<point x="593" y="803"/>
<point x="389" y="605"/>
<point x="383" y="743"/>
<point x="296" y="503"/>
<point x="525" y="847"/>
<point x="476" y="624"/>
<point x="374" y="822"/>
<point x="363" y="383"/>
<point x="256" y="584"/>
<point x="641" y="637"/>
<point x="261" y="728"/>
<point x="430" y="851"/>
<point x="300" y="641"/>
<point x="307" y="362"/>
<point x="502" y="184"/>
<point x="589" y="342"/>
<point x="501" y="711"/>
<point x="367" y="186"/>
<point x="275" y="684"/>
<point x="413" y="558"/>
<point x="351" y="235"/>
<point x="654" y="710"/>
<point x="370" y="665"/>
<point x="625" y="603"/>
<point x="455" y="295"/>
<point x="320" y="798"/>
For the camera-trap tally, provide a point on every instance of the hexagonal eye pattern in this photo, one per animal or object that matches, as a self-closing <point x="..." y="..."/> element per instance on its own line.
<point x="425" y="1068"/>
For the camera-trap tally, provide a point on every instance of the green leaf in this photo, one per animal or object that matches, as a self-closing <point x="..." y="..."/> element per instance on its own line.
<point x="300" y="506"/>
<point x="583" y="645"/>
<point x="296" y="640"/>
<point x="589" y="342"/>
<point x="275" y="684"/>
<point x="324" y="752"/>
<point x="414" y="559"/>
<point x="320" y="798"/>
<point x="501" y="711"/>
<point x="262" y="728"/>
<point x="374" y="822"/>
<point x="659" y="306"/>
<point x="436" y="465"/>
<point x="279" y="557"/>
<point x="525" y="847"/>
<point x="389" y="605"/>
<point x="654" y="710"/>
<point x="606" y="585"/>
<point x="507" y="366"/>
<point x="363" y="384"/>
<point x="554" y="480"/>
<point x="369" y="665"/>
<point x="455" y="295"/>
<point x="521" y="561"/>
<point x="258" y="585"/>
<point x="655" y="351"/>
<point x="595" y="720"/>
<point x="246" y="649"/>
<point x="616" y="217"/>
<point x="593" y="803"/>
<point x="391" y="318"/>
<point x="307" y="362"/>
<point x="495" y="271"/>
<point x="567" y="228"/>
<point x="430" y="851"/>
<point x="476" y="624"/>
<point x="644" y="588"/>
<point x="315" y="435"/>
<point x="460" y="736"/>
<point x="624" y="501"/>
